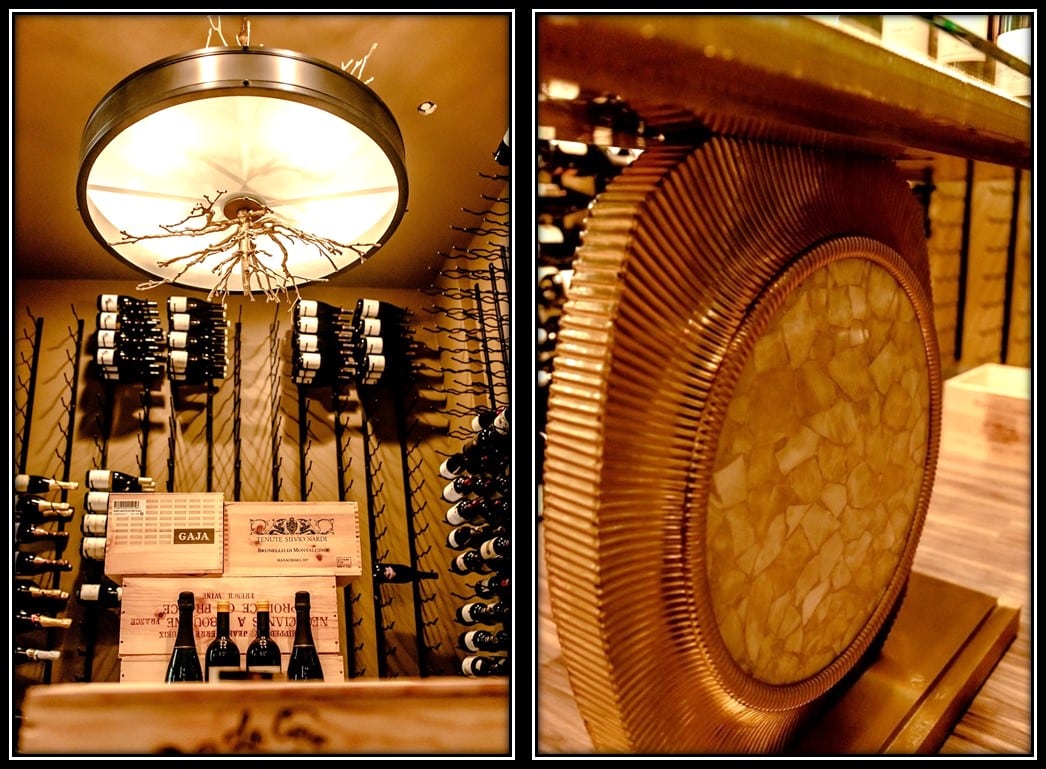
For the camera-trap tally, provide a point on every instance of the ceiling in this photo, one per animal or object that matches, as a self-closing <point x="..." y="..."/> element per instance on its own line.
<point x="63" y="64"/>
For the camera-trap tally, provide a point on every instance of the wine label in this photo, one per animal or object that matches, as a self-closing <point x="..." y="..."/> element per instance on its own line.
<point x="21" y="483"/>
<point x="487" y="550"/>
<point x="308" y="308"/>
<point x="310" y="361"/>
<point x="93" y="548"/>
<point x="501" y="421"/>
<point x="106" y="337"/>
<point x="453" y="518"/>
<point x="373" y="345"/>
<point x="177" y="340"/>
<point x="108" y="320"/>
<point x="375" y="363"/>
<point x="214" y="673"/>
<point x="451" y="494"/>
<point x="93" y="524"/>
<point x="181" y="321"/>
<point x="451" y="467"/>
<point x="106" y="356"/>
<point x="96" y="501"/>
<point x="369" y="308"/>
<point x="176" y="304"/>
<point x="308" y="342"/>
<point x="952" y="50"/>
<point x="179" y="359"/>
<point x="468" y="641"/>
<point x="370" y="327"/>
<point x="276" y="670"/>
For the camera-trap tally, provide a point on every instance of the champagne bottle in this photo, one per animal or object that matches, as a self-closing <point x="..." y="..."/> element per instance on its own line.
<point x="26" y="621"/>
<point x="401" y="573"/>
<point x="484" y="641"/>
<point x="39" y="484"/>
<point x="222" y="652"/>
<point x="36" y="509"/>
<point x="263" y="654"/>
<point x="27" y="591"/>
<point x="25" y="654"/>
<point x="304" y="662"/>
<point x="476" y="665"/>
<point x="29" y="532"/>
<point x="470" y="562"/>
<point x="103" y="594"/>
<point x="477" y="612"/>
<point x="30" y="563"/>
<point x="184" y="663"/>
<point x="116" y="481"/>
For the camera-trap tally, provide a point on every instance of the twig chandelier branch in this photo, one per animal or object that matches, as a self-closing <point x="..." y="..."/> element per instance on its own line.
<point x="240" y="249"/>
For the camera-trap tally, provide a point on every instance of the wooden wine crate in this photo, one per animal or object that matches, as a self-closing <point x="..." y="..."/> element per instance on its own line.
<point x="149" y="611"/>
<point x="293" y="539"/>
<point x="160" y="533"/>
<point x="453" y="716"/>
<point x="987" y="411"/>
<point x="151" y="668"/>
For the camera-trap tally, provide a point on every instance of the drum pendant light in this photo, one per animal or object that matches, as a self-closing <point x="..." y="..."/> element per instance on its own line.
<point x="238" y="171"/>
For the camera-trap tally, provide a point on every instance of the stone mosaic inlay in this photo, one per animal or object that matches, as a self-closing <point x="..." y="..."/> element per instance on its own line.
<point x="818" y="471"/>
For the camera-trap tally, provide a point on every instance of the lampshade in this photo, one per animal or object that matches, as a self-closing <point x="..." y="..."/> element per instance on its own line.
<point x="236" y="170"/>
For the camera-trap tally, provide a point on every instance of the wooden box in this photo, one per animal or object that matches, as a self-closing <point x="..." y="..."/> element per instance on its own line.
<point x="161" y="533"/>
<point x="151" y="668"/>
<point x="987" y="412"/>
<point x="149" y="612"/>
<point x="293" y="539"/>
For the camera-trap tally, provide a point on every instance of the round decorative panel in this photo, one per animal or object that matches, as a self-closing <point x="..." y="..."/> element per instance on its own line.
<point x="742" y="435"/>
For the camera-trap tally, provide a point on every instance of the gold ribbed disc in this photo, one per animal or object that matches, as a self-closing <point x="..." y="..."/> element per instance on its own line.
<point x="742" y="435"/>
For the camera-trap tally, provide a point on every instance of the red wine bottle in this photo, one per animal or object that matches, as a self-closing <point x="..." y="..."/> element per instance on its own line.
<point x="476" y="665"/>
<point x="400" y="573"/>
<point x="484" y="641"/>
<point x="477" y="612"/>
<point x="263" y="653"/>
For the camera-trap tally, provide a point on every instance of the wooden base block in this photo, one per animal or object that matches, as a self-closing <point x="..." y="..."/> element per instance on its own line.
<point x="944" y="643"/>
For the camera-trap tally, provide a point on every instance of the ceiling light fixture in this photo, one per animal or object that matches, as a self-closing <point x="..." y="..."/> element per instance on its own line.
<point x="237" y="170"/>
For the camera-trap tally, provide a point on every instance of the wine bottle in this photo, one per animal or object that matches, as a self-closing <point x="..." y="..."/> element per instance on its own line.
<point x="329" y="328"/>
<point x="93" y="548"/>
<point x="94" y="524"/>
<point x="39" y="484"/>
<point x="495" y="586"/>
<point x="126" y="358"/>
<point x="184" y="663"/>
<point x="29" y="532"/>
<point x="470" y="562"/>
<point x="97" y="502"/>
<point x="399" y="573"/>
<point x="214" y="343"/>
<point x="304" y="662"/>
<point x="222" y="652"/>
<point x="183" y="321"/>
<point x="177" y="305"/>
<point x="477" y="612"/>
<point x="30" y="563"/>
<point x="477" y="665"/>
<point x="26" y="621"/>
<point x="484" y="419"/>
<point x="466" y="536"/>
<point x="28" y="591"/>
<point x="142" y="326"/>
<point x="25" y="654"/>
<point x="311" y="308"/>
<point x="120" y="340"/>
<point x="467" y="510"/>
<point x="116" y="481"/>
<point x="375" y="308"/>
<point x="481" y="485"/>
<point x="495" y="548"/>
<point x="501" y="155"/>
<point x="103" y="594"/>
<point x="37" y="508"/>
<point x="484" y="641"/>
<point x="1013" y="35"/>
<point x="263" y="654"/>
<point x="120" y="303"/>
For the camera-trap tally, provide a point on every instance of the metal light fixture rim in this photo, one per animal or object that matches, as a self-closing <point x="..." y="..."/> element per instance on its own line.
<point x="241" y="71"/>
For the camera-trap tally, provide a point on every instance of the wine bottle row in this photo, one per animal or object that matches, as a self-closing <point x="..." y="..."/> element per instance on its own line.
<point x="479" y="488"/>
<point x="197" y="341"/>
<point x="263" y="657"/>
